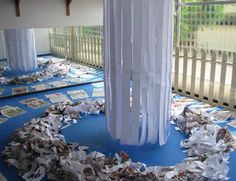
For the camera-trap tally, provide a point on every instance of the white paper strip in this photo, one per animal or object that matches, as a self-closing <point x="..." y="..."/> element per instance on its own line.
<point x="138" y="54"/>
<point x="117" y="33"/>
<point x="136" y="70"/>
<point x="21" y="51"/>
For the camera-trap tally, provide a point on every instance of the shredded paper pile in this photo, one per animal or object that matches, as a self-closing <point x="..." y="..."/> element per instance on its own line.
<point x="38" y="150"/>
<point x="49" y="69"/>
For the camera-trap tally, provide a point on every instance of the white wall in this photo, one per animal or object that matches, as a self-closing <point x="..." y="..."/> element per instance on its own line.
<point x="42" y="41"/>
<point x="222" y="38"/>
<point x="50" y="13"/>
<point x="2" y="46"/>
<point x="47" y="14"/>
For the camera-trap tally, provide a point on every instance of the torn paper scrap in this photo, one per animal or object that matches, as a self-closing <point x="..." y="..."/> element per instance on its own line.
<point x="12" y="112"/>
<point x="39" y="87"/>
<point x="19" y="90"/>
<point x="78" y="94"/>
<point x="98" y="92"/>
<point x="57" y="97"/>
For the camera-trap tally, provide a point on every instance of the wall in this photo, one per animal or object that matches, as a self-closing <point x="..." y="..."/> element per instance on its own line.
<point x="221" y="38"/>
<point x="45" y="14"/>
<point x="50" y="13"/>
<point x="42" y="41"/>
<point x="2" y="46"/>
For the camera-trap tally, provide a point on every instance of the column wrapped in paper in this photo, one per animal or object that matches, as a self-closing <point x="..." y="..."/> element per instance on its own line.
<point x="21" y="51"/>
<point x="138" y="55"/>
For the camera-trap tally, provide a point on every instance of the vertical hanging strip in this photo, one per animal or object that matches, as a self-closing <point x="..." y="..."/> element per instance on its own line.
<point x="160" y="66"/>
<point x="118" y="55"/>
<point x="106" y="59"/>
<point x="138" y="51"/>
<point x="144" y="70"/>
<point x="150" y="65"/>
<point x="169" y="53"/>
<point x="153" y="53"/>
<point x="136" y="70"/>
<point x="112" y="78"/>
<point x="126" y="63"/>
<point x="155" y="64"/>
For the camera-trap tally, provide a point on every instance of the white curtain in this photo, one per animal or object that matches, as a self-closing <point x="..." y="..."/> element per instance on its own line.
<point x="138" y="54"/>
<point x="21" y="51"/>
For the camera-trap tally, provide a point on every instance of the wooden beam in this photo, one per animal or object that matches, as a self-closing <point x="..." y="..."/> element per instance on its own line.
<point x="17" y="4"/>
<point x="68" y="3"/>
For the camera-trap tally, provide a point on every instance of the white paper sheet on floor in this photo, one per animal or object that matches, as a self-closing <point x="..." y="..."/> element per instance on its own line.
<point x="21" y="51"/>
<point x="138" y="49"/>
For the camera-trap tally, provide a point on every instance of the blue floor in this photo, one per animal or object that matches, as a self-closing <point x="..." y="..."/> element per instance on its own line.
<point x="91" y="131"/>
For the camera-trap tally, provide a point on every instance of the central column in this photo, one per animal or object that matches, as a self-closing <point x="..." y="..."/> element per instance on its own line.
<point x="137" y="65"/>
<point x="21" y="51"/>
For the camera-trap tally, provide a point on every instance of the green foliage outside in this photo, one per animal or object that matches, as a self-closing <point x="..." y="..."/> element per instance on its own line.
<point x="198" y="16"/>
<point x="96" y="31"/>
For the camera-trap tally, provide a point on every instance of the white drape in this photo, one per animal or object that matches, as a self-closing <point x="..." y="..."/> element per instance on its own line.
<point x="138" y="54"/>
<point x="21" y="51"/>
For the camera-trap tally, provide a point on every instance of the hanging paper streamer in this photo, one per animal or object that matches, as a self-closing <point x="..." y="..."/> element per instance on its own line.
<point x="138" y="54"/>
<point x="21" y="51"/>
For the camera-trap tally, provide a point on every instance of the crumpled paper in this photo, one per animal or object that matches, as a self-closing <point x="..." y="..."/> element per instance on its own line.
<point x="188" y="120"/>
<point x="208" y="143"/>
<point x="38" y="151"/>
<point x="50" y="68"/>
<point x="208" y="140"/>
<point x="70" y="112"/>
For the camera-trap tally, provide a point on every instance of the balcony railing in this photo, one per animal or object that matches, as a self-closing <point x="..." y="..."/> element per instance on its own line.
<point x="82" y="49"/>
<point x="206" y="75"/>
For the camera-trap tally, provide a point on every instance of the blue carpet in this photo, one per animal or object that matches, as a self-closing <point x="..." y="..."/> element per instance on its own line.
<point x="91" y="131"/>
